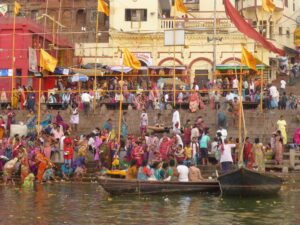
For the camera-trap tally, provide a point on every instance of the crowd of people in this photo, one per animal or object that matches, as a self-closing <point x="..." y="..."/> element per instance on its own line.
<point x="174" y="156"/>
<point x="147" y="94"/>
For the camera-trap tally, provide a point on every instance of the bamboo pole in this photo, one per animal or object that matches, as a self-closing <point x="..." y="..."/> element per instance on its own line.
<point x="120" y="111"/>
<point x="40" y="79"/>
<point x="13" y="54"/>
<point x="95" y="68"/>
<point x="261" y="90"/>
<point x="240" y="162"/>
<point x="39" y="106"/>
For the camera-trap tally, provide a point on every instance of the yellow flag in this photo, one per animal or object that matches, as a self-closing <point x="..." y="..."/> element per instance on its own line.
<point x="47" y="61"/>
<point x="248" y="59"/>
<point x="179" y="6"/>
<point x="130" y="60"/>
<point x="17" y="8"/>
<point x="268" y="6"/>
<point x="103" y="7"/>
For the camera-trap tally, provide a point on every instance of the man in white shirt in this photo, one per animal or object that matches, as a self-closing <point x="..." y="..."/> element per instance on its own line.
<point x="235" y="83"/>
<point x="226" y="157"/>
<point x="183" y="172"/>
<point x="176" y="120"/>
<point x="223" y="133"/>
<point x="282" y="84"/>
<point x="144" y="122"/>
<point x="86" y="100"/>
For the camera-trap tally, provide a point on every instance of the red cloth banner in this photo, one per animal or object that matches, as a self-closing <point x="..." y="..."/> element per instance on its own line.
<point x="245" y="28"/>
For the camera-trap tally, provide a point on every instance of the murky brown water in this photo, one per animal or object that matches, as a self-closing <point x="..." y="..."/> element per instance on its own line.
<point x="89" y="204"/>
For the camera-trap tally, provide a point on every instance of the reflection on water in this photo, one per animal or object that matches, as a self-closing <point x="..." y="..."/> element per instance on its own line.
<point x="89" y="204"/>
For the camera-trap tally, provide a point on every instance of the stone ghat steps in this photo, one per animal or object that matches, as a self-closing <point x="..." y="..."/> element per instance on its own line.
<point x="257" y="124"/>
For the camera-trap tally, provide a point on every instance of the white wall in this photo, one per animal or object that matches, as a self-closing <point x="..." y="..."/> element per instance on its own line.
<point x="117" y="7"/>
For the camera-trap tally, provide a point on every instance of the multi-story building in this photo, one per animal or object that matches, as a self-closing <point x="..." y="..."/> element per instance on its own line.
<point x="141" y="26"/>
<point x="78" y="17"/>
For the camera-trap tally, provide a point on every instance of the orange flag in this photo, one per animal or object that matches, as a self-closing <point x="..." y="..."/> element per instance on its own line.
<point x="268" y="6"/>
<point x="130" y="60"/>
<point x="180" y="7"/>
<point x="248" y="59"/>
<point x="103" y="7"/>
<point x="47" y="61"/>
<point x="17" y="8"/>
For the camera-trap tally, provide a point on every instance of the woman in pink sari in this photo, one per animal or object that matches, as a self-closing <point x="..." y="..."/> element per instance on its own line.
<point x="297" y="136"/>
<point x="194" y="101"/>
<point x="137" y="154"/>
<point x="279" y="148"/>
<point x="164" y="147"/>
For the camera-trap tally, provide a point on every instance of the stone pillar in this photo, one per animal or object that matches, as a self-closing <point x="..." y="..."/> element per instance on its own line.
<point x="292" y="158"/>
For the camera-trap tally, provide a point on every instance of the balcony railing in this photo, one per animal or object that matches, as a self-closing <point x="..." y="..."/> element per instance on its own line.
<point x="196" y="24"/>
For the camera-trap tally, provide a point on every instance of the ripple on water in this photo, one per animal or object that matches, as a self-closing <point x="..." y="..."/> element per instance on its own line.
<point x="87" y="204"/>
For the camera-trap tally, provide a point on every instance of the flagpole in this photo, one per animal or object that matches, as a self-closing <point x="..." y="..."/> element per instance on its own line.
<point x="261" y="74"/>
<point x="95" y="68"/>
<point x="174" y="55"/>
<point x="13" y="53"/>
<point x="40" y="79"/>
<point x="121" y="100"/>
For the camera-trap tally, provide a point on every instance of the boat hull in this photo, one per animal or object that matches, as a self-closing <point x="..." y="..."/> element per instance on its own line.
<point x="123" y="186"/>
<point x="245" y="182"/>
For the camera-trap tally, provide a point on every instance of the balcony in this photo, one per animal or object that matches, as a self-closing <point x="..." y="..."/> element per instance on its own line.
<point x="199" y="24"/>
<point x="253" y="4"/>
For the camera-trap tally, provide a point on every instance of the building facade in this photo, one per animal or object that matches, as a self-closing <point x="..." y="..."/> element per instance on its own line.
<point x="28" y="36"/>
<point x="78" y="17"/>
<point x="141" y="26"/>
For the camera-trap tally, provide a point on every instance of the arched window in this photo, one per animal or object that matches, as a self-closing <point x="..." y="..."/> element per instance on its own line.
<point x="81" y="18"/>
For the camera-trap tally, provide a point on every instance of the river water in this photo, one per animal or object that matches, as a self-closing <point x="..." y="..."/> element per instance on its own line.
<point x="89" y="204"/>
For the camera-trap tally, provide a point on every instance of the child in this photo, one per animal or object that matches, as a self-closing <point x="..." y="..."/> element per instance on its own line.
<point x="116" y="162"/>
<point x="188" y="155"/>
<point x="79" y="172"/>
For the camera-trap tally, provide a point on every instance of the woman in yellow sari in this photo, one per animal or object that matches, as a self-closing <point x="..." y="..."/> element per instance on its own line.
<point x="15" y="98"/>
<point x="281" y="123"/>
<point x="259" y="155"/>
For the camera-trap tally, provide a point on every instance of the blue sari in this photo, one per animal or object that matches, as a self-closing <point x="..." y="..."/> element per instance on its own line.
<point x="46" y="122"/>
<point x="31" y="126"/>
<point x="31" y="101"/>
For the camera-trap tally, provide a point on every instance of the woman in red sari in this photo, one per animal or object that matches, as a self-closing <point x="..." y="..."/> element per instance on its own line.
<point x="22" y="97"/>
<point x="137" y="153"/>
<point x="2" y="128"/>
<point x="25" y="170"/>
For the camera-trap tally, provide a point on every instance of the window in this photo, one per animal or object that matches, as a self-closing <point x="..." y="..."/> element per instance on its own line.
<point x="81" y="18"/>
<point x="136" y="15"/>
<point x="263" y="28"/>
<point x="294" y="6"/>
<point x="271" y="30"/>
<point x="286" y="3"/>
<point x="280" y="30"/>
<point x="254" y="24"/>
<point x="288" y="32"/>
<point x="34" y="14"/>
<point x="94" y="16"/>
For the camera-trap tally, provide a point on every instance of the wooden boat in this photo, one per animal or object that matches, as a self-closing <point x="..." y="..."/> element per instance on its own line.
<point x="159" y="129"/>
<point x="123" y="186"/>
<point x="246" y="182"/>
